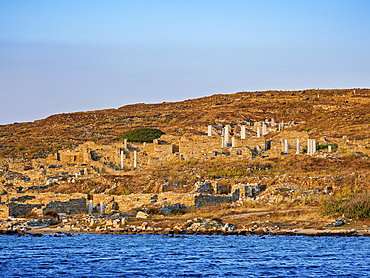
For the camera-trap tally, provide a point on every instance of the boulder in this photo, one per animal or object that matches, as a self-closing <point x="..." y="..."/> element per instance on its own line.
<point x="339" y="223"/>
<point x="165" y="210"/>
<point x="141" y="214"/>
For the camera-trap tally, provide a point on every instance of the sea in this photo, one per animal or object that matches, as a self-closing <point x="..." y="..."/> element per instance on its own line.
<point x="101" y="255"/>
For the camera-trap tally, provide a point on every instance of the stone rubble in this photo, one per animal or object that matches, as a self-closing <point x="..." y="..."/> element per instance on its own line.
<point x="118" y="225"/>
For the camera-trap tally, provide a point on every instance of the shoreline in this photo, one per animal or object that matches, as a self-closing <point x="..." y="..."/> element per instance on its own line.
<point x="174" y="232"/>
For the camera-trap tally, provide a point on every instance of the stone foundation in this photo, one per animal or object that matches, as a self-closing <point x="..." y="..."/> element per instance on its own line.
<point x="203" y="200"/>
<point x="20" y="204"/>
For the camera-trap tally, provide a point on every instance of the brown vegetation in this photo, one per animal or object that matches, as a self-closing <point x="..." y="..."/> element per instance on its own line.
<point x="333" y="113"/>
<point x="323" y="113"/>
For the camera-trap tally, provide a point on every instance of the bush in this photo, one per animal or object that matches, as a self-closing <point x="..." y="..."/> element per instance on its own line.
<point x="357" y="207"/>
<point x="334" y="147"/>
<point x="153" y="210"/>
<point x="179" y="211"/>
<point x="125" y="191"/>
<point x="51" y="213"/>
<point x="141" y="135"/>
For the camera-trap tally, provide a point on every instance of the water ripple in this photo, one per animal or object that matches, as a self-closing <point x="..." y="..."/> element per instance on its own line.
<point x="186" y="256"/>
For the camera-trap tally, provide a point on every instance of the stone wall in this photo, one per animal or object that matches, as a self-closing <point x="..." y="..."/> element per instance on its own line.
<point x="70" y="157"/>
<point x="40" y="198"/>
<point x="17" y="209"/>
<point x="126" y="202"/>
<point x="163" y="149"/>
<point x="312" y="182"/>
<point x="202" y="200"/>
<point x="72" y="206"/>
<point x="248" y="190"/>
<point x="4" y="211"/>
<point x="198" y="147"/>
<point x="21" y="204"/>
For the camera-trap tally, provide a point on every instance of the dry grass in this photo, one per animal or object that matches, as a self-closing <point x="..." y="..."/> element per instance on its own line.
<point x="349" y="115"/>
<point x="31" y="214"/>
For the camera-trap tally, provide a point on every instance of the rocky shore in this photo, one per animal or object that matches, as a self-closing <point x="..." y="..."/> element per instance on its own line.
<point x="120" y="225"/>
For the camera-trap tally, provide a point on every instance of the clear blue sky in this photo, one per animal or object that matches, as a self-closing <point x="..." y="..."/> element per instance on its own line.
<point x="65" y="56"/>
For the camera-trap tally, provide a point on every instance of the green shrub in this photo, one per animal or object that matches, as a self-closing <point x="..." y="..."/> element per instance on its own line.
<point x="334" y="147"/>
<point x="350" y="155"/>
<point x="323" y="146"/>
<point x="141" y="135"/>
<point x="125" y="191"/>
<point x="358" y="206"/>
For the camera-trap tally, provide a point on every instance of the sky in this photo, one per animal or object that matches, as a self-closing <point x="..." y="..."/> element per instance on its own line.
<point x="68" y="56"/>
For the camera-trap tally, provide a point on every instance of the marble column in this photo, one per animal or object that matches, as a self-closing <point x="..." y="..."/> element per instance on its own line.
<point x="227" y="134"/>
<point x="210" y="130"/>
<point x="286" y="146"/>
<point x="90" y="207"/>
<point x="243" y="132"/>
<point x="101" y="207"/>
<point x="264" y="128"/>
<point x="298" y="147"/>
<point x="122" y="161"/>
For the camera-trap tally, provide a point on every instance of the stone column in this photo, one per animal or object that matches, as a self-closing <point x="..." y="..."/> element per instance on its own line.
<point x="308" y="146"/>
<point x="90" y="207"/>
<point x="286" y="146"/>
<point x="233" y="142"/>
<point x="210" y="130"/>
<point x="243" y="132"/>
<point x="258" y="132"/>
<point x="125" y="144"/>
<point x="298" y="147"/>
<point x="313" y="146"/>
<point x="101" y="207"/>
<point x="279" y="128"/>
<point x="264" y="128"/>
<point x="135" y="159"/>
<point x="222" y="142"/>
<point x="329" y="148"/>
<point x="226" y="135"/>
<point x="122" y="161"/>
<point x="282" y="124"/>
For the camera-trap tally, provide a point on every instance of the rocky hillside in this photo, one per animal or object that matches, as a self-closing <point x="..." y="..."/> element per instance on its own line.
<point x="332" y="113"/>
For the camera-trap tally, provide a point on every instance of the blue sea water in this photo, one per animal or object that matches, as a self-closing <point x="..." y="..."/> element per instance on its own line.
<point x="93" y="255"/>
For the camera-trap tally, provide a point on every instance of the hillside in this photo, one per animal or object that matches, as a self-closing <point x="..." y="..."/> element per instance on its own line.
<point x="331" y="113"/>
<point x="67" y="161"/>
